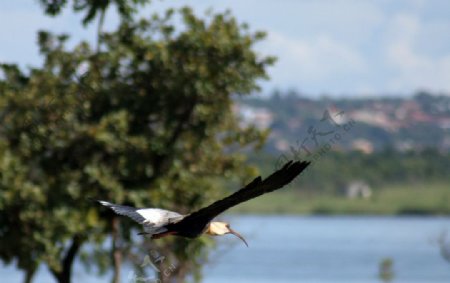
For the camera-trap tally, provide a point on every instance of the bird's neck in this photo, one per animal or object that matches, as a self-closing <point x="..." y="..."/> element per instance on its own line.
<point x="209" y="229"/>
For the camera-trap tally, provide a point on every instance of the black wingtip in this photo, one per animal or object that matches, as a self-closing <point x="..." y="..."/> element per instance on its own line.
<point x="293" y="169"/>
<point x="302" y="165"/>
<point x="298" y="165"/>
<point x="288" y="164"/>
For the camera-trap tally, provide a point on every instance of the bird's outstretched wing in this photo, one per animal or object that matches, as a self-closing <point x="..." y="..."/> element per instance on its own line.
<point x="153" y="219"/>
<point x="254" y="189"/>
<point x="125" y="211"/>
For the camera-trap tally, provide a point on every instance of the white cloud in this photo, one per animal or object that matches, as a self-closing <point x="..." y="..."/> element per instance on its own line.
<point x="312" y="59"/>
<point x="414" y="68"/>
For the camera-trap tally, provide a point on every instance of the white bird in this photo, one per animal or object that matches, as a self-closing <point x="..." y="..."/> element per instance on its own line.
<point x="159" y="223"/>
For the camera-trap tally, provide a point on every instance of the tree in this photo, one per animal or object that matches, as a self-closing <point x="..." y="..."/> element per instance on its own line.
<point x="147" y="121"/>
<point x="93" y="8"/>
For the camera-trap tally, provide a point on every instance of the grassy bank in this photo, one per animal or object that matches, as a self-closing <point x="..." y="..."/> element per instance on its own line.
<point x="419" y="199"/>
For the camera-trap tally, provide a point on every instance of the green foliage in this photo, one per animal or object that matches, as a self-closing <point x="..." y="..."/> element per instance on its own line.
<point x="334" y="170"/>
<point x="93" y="8"/>
<point x="148" y="121"/>
<point x="386" y="272"/>
<point x="418" y="199"/>
<point x="414" y="182"/>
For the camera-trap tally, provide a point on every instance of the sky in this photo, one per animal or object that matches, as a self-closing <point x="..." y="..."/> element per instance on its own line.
<point x="336" y="48"/>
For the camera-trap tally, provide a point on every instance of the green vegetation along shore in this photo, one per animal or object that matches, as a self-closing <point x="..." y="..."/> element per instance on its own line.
<point x="414" y="182"/>
<point x="418" y="199"/>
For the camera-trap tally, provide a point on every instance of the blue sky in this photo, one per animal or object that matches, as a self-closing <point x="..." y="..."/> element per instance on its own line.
<point x="334" y="47"/>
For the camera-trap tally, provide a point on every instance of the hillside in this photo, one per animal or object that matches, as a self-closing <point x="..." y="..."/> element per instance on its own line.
<point x="300" y="124"/>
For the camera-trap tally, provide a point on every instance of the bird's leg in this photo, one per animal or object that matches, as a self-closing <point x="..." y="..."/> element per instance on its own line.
<point x="165" y="234"/>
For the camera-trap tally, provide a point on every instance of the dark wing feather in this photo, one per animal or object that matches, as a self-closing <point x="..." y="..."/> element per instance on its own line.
<point x="254" y="189"/>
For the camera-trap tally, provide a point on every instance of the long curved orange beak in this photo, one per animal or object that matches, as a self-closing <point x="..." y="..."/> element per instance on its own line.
<point x="238" y="235"/>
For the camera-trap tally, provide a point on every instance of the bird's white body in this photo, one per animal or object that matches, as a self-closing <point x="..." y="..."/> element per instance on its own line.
<point x="156" y="216"/>
<point x="153" y="219"/>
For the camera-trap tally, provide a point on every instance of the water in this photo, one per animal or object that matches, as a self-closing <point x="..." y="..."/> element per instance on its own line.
<point x="314" y="249"/>
<point x="333" y="249"/>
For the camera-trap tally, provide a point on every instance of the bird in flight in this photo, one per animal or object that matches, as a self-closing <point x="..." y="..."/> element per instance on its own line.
<point x="160" y="223"/>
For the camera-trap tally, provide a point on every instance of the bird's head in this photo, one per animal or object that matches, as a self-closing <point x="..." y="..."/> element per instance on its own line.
<point x="222" y="228"/>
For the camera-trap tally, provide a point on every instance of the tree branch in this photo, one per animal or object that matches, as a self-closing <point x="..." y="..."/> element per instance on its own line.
<point x="64" y="275"/>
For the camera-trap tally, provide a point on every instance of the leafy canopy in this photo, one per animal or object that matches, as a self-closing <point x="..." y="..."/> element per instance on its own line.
<point x="147" y="121"/>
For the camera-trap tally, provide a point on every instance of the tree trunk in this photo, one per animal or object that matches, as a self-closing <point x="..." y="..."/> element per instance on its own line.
<point x="64" y="275"/>
<point x="117" y="252"/>
<point x="29" y="275"/>
<point x="181" y="273"/>
<point x="100" y="27"/>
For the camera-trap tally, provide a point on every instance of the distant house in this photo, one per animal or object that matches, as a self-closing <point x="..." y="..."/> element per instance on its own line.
<point x="362" y="145"/>
<point x="260" y="117"/>
<point x="358" y="189"/>
<point x="376" y="118"/>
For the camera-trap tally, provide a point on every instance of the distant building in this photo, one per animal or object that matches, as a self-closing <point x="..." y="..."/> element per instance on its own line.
<point x="411" y="112"/>
<point x="444" y="123"/>
<point x="260" y="117"/>
<point x="358" y="189"/>
<point x="363" y="145"/>
<point x="404" y="145"/>
<point x="337" y="115"/>
<point x="282" y="145"/>
<point x="375" y="118"/>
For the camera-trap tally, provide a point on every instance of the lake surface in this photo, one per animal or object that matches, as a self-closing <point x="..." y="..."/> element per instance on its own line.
<point x="315" y="249"/>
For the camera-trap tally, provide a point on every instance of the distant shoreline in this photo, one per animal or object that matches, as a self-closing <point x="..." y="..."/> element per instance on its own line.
<point x="400" y="200"/>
